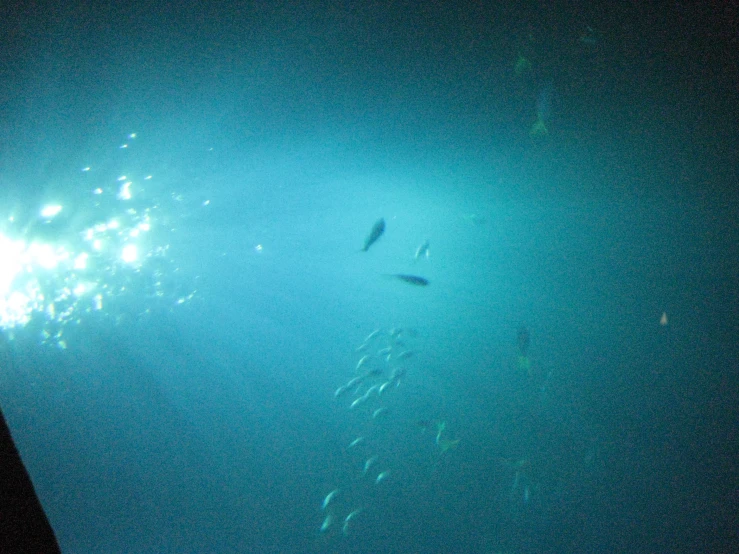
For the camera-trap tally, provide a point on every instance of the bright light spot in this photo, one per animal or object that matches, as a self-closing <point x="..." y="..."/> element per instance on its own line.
<point x="10" y="253"/>
<point x="48" y="212"/>
<point x="125" y="192"/>
<point x="129" y="254"/>
<point x="43" y="255"/>
<point x="80" y="262"/>
<point x="69" y="271"/>
<point x="80" y="289"/>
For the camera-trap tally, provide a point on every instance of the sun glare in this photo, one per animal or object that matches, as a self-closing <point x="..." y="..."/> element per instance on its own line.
<point x="55" y="272"/>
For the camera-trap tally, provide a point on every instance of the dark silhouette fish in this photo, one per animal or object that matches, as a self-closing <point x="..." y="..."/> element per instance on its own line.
<point x="377" y="229"/>
<point x="411" y="279"/>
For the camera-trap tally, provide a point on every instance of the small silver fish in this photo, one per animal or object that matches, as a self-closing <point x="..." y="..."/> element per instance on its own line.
<point x="352" y="515"/>
<point x="372" y="335"/>
<point x="355" y="442"/>
<point x="422" y="250"/>
<point x="368" y="463"/>
<point x="329" y="498"/>
<point x="358" y="401"/>
<point x="327" y="523"/>
<point x="378" y="412"/>
<point x="405" y="354"/>
<point x="382" y="476"/>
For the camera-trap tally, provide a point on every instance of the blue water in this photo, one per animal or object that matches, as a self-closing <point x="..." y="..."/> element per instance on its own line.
<point x="210" y="424"/>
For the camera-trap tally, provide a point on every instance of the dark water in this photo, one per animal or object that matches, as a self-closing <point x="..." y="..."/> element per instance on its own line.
<point x="276" y="136"/>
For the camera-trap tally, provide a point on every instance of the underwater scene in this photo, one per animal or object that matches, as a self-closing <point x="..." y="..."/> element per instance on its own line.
<point x="372" y="277"/>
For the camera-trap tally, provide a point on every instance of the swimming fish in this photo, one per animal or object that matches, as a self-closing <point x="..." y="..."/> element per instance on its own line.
<point x="363" y="360"/>
<point x="443" y="443"/>
<point x="405" y="354"/>
<point x="329" y="498"/>
<point x="352" y="515"/>
<point x="382" y="476"/>
<point x="345" y="528"/>
<point x="422" y="250"/>
<point x="377" y="229"/>
<point x="410" y="279"/>
<point x="368" y="464"/>
<point x="378" y="412"/>
<point x="358" y="401"/>
<point x="327" y="523"/>
<point x="355" y="442"/>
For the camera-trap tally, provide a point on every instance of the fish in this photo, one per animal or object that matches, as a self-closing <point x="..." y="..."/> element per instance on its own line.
<point x="355" y="442"/>
<point x="358" y="401"/>
<point x="352" y="515"/>
<point x="376" y="372"/>
<point x="372" y="335"/>
<point x="363" y="360"/>
<point x="368" y="464"/>
<point x="410" y="279"/>
<point x="343" y="389"/>
<point x="422" y="250"/>
<point x="347" y="519"/>
<point x="377" y="230"/>
<point x="382" y="476"/>
<point x="447" y="444"/>
<point x="405" y="355"/>
<point x="327" y="523"/>
<point x="443" y="443"/>
<point x="398" y="372"/>
<point x="440" y="426"/>
<point x="378" y="412"/>
<point x="354" y="381"/>
<point x="329" y="498"/>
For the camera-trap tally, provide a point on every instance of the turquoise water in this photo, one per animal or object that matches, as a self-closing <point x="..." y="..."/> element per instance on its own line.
<point x="183" y="399"/>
